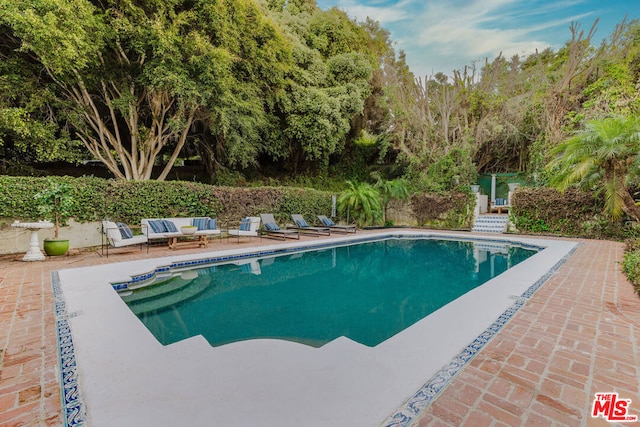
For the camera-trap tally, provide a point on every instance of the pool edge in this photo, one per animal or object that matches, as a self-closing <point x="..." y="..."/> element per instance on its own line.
<point x="420" y="400"/>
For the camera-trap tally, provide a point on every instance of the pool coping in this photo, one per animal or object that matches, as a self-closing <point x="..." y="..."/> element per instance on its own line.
<point x="74" y="409"/>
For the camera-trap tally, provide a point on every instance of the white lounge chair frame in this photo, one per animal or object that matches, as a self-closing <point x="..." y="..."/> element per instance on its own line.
<point x="254" y="224"/>
<point x="111" y="236"/>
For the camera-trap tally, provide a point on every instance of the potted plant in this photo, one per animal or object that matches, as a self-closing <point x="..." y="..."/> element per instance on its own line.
<point x="55" y="203"/>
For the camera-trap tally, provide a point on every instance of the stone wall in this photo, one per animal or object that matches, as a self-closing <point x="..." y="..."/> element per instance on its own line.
<point x="401" y="213"/>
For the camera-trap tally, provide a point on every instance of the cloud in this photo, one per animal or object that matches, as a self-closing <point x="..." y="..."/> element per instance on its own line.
<point x="383" y="11"/>
<point x="443" y="35"/>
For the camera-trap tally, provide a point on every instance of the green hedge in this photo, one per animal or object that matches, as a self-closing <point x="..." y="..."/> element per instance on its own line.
<point x="572" y="213"/>
<point x="129" y="201"/>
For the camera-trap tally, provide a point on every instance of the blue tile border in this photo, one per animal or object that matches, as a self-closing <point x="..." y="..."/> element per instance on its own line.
<point x="73" y="409"/>
<point x="406" y="414"/>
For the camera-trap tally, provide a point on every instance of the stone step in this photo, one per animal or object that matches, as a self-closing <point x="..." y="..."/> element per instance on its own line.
<point x="490" y="224"/>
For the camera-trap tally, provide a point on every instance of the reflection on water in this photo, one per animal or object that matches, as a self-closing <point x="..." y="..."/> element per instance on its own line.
<point x="367" y="292"/>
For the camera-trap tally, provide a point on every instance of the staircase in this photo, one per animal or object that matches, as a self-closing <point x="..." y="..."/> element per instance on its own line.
<point x="490" y="224"/>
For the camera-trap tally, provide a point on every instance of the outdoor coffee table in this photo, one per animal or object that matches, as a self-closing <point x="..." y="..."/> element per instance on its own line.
<point x="179" y="239"/>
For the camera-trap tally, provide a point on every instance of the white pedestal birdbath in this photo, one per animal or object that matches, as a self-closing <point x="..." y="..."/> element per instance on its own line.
<point x="34" y="253"/>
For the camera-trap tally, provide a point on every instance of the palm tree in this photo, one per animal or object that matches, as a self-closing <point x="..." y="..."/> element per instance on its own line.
<point x="603" y="157"/>
<point x="362" y="201"/>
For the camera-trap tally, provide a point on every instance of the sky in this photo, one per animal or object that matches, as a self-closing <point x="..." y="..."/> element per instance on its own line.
<point x="445" y="35"/>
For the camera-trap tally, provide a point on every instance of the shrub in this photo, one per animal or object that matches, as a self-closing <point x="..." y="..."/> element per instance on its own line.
<point x="362" y="202"/>
<point x="631" y="263"/>
<point x="571" y="213"/>
<point x="129" y="201"/>
<point x="443" y="211"/>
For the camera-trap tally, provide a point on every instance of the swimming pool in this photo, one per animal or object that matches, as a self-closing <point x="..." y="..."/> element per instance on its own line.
<point x="124" y="376"/>
<point x="366" y="292"/>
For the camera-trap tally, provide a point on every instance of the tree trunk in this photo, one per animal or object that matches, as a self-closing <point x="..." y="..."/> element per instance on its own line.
<point x="630" y="207"/>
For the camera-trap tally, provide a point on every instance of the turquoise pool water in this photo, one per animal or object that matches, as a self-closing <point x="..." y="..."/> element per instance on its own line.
<point x="367" y="292"/>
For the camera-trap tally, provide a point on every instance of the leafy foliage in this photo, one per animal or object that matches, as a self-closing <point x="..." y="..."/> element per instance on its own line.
<point x="569" y="213"/>
<point x="281" y="91"/>
<point x="93" y="199"/>
<point x="452" y="172"/>
<point x="602" y="157"/>
<point x="631" y="263"/>
<point x="55" y="203"/>
<point x="453" y="211"/>
<point x="360" y="201"/>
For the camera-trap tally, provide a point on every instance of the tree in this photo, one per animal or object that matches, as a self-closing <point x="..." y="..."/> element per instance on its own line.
<point x="362" y="202"/>
<point x="56" y="203"/>
<point x="604" y="156"/>
<point x="32" y="127"/>
<point x="140" y="74"/>
<point x="615" y="90"/>
<point x="326" y="86"/>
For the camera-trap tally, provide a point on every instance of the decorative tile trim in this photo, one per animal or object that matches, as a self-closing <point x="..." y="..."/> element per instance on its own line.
<point x="432" y="389"/>
<point x="73" y="409"/>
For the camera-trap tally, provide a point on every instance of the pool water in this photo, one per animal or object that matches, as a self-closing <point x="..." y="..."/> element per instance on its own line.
<point x="367" y="292"/>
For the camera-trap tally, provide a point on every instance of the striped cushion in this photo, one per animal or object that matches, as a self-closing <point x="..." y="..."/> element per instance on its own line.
<point x="201" y="223"/>
<point x="245" y="224"/>
<point x="271" y="226"/>
<point x="157" y="225"/>
<point x="326" y="221"/>
<point x="302" y="223"/>
<point x="169" y="226"/>
<point x="125" y="231"/>
<point x="212" y="224"/>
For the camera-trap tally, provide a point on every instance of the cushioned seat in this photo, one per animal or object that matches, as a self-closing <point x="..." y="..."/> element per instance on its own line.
<point x="119" y="235"/>
<point x="248" y="228"/>
<point x="159" y="228"/>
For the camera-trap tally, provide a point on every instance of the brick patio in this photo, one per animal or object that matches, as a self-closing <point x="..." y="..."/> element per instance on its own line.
<point x="578" y="335"/>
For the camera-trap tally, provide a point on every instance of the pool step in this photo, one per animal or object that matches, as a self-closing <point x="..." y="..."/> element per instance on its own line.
<point x="491" y="224"/>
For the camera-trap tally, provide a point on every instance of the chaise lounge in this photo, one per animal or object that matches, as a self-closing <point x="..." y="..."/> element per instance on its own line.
<point x="272" y="229"/>
<point x="304" y="227"/>
<point x="335" y="227"/>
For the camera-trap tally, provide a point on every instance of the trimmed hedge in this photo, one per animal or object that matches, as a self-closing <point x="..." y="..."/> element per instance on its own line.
<point x="130" y="201"/>
<point x="572" y="213"/>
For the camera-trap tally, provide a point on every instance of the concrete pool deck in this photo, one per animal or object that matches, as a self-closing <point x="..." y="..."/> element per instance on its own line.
<point x="578" y="335"/>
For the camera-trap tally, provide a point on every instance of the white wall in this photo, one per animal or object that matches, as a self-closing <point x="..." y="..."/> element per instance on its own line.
<point x="16" y="240"/>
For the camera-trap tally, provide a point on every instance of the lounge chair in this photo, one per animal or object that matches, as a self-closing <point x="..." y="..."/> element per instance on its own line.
<point x="248" y="227"/>
<point x="335" y="227"/>
<point x="303" y="227"/>
<point x="272" y="229"/>
<point x="119" y="235"/>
